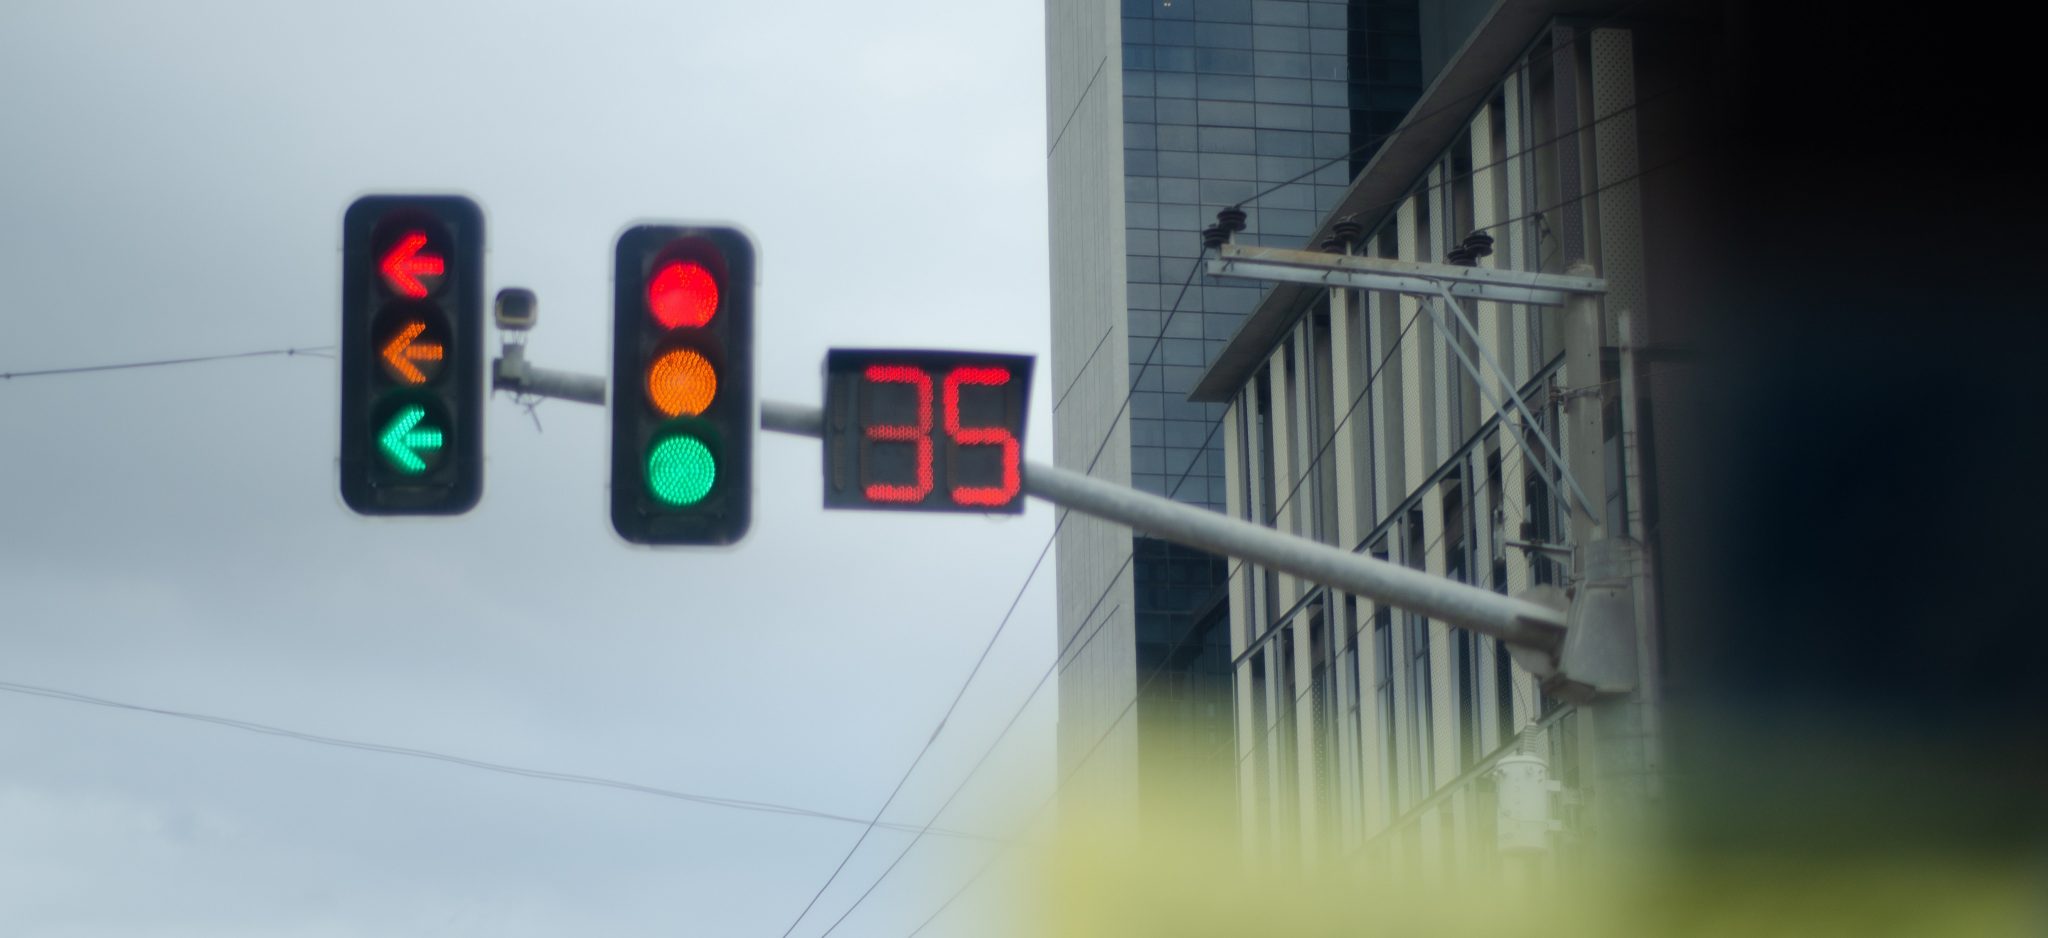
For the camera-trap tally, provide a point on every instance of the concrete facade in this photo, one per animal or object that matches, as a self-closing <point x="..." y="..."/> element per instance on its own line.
<point x="1098" y="675"/>
<point x="1369" y="731"/>
<point x="1160" y="113"/>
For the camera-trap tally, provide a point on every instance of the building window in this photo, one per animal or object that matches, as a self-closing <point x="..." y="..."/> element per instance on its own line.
<point x="1385" y="728"/>
<point x="1289" y="512"/>
<point x="1497" y="514"/>
<point x="1457" y="534"/>
<point x="1354" y="782"/>
<point x="1323" y="711"/>
<point x="1263" y="514"/>
<point x="1260" y="796"/>
<point x="1420" y="711"/>
<point x="1460" y="190"/>
<point x="1504" y="690"/>
<point x="1322" y="439"/>
<point x="1288" y="747"/>
<point x="1536" y="524"/>
<point x="1384" y="703"/>
<point x="1460" y="538"/>
<point x="1358" y="411"/>
<point x="1465" y="668"/>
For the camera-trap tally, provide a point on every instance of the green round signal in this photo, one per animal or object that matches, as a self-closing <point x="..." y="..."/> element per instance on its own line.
<point x="680" y="470"/>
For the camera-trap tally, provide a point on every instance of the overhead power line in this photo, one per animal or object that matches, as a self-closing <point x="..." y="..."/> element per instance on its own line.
<point x="311" y="351"/>
<point x="1300" y="479"/>
<point x="1108" y="434"/>
<point x="1456" y="103"/>
<point x="1305" y="473"/>
<point x="767" y="807"/>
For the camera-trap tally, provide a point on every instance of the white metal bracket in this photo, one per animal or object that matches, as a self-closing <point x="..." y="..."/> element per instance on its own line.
<point x="1378" y="273"/>
<point x="1429" y="281"/>
<point x="1507" y="385"/>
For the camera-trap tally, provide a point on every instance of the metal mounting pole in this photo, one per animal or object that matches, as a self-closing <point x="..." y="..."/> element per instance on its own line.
<point x="1516" y="621"/>
<point x="512" y="373"/>
<point x="1647" y="634"/>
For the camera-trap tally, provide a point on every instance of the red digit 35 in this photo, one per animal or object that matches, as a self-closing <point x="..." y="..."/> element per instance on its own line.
<point x="989" y="496"/>
<point x="919" y="433"/>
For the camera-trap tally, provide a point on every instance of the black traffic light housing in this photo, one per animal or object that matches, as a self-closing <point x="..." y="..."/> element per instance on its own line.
<point x="412" y="355"/>
<point x="682" y="384"/>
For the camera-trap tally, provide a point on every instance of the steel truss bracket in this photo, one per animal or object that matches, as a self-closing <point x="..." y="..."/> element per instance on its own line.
<point x="1430" y="281"/>
<point x="1415" y="277"/>
<point x="1506" y="391"/>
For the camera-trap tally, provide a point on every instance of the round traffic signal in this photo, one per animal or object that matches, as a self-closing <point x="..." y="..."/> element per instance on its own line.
<point x="682" y="294"/>
<point x="681" y="383"/>
<point x="681" y="470"/>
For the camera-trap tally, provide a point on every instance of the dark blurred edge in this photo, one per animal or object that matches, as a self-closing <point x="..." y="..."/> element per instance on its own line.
<point x="1849" y="437"/>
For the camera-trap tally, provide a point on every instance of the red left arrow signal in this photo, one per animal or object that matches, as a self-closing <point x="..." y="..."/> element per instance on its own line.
<point x="405" y="264"/>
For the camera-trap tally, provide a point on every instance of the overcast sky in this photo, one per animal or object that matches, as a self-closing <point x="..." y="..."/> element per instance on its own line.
<point x="172" y="181"/>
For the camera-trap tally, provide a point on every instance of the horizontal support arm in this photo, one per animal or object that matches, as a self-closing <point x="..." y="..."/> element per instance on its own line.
<point x="1515" y="621"/>
<point x="513" y="373"/>
<point x="1379" y="273"/>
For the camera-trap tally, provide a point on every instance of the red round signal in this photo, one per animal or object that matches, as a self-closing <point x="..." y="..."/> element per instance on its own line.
<point x="682" y="293"/>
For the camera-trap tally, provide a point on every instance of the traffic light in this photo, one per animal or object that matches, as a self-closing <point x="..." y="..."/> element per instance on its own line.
<point x="682" y="392"/>
<point x="412" y="355"/>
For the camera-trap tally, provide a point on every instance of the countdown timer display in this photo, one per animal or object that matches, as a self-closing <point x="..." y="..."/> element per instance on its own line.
<point x="925" y="430"/>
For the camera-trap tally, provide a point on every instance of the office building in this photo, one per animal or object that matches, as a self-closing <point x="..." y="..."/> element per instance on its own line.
<point x="1374" y="421"/>
<point x="1160" y="113"/>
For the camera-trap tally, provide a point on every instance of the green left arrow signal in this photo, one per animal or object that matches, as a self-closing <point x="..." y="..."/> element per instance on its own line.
<point x="404" y="439"/>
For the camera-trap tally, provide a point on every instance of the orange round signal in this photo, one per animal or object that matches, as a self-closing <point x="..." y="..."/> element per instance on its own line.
<point x="681" y="383"/>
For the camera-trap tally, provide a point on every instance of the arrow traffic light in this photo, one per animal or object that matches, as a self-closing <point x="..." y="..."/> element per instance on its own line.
<point x="682" y="392"/>
<point x="412" y="355"/>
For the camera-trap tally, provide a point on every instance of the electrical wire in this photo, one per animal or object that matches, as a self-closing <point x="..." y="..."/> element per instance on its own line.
<point x="312" y="351"/>
<point x="1150" y="677"/>
<point x="1306" y="473"/>
<point x="1062" y="783"/>
<point x="1153" y="675"/>
<point x="1526" y="151"/>
<point x="994" y="744"/>
<point x="1351" y="648"/>
<point x="1412" y="119"/>
<point x="1114" y="578"/>
<point x="1309" y="469"/>
<point x="876" y="821"/>
<point x="1082" y="99"/>
<point x="1084" y="367"/>
<point x="1108" y="434"/>
<point x="742" y="804"/>
<point x="1458" y="103"/>
<point x="1508" y="499"/>
<point x="979" y="662"/>
<point x="1058" y="660"/>
<point x="728" y="802"/>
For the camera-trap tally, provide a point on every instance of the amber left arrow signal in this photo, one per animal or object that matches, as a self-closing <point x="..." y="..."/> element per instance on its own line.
<point x="401" y="353"/>
<point x="407" y="262"/>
